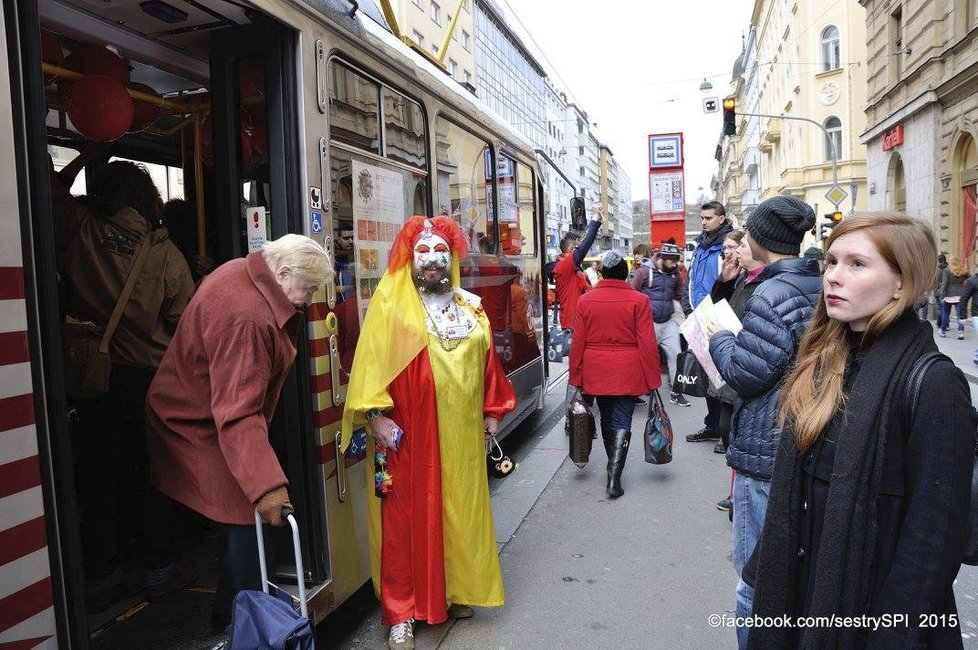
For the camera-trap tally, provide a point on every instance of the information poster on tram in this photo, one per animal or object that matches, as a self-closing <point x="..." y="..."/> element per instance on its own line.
<point x="378" y="214"/>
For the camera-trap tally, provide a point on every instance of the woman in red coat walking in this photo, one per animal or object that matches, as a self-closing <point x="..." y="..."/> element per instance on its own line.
<point x="614" y="357"/>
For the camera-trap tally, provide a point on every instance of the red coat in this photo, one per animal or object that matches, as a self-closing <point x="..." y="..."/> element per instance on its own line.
<point x="210" y="404"/>
<point x="614" y="350"/>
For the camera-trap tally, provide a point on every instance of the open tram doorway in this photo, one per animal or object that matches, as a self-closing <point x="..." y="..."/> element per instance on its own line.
<point x="202" y="95"/>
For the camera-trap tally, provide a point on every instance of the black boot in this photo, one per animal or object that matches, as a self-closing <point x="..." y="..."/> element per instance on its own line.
<point x="616" y="462"/>
<point x="608" y="436"/>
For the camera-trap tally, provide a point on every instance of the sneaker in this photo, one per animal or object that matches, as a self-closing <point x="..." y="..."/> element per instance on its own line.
<point x="960" y="336"/>
<point x="639" y="400"/>
<point x="171" y="578"/>
<point x="703" y="435"/>
<point x="402" y="636"/>
<point x="460" y="611"/>
<point x="943" y="334"/>
<point x="679" y="399"/>
<point x="725" y="504"/>
<point x="719" y="448"/>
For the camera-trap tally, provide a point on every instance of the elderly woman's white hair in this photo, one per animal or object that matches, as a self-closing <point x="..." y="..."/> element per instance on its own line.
<point x="303" y="255"/>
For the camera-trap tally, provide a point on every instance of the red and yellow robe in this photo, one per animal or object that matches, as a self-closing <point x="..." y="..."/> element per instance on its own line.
<point x="432" y="540"/>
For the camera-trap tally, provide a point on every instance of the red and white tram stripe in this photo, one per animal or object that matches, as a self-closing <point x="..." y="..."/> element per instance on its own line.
<point x="26" y="600"/>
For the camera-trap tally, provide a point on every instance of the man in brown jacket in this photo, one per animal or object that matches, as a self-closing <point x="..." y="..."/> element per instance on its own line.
<point x="212" y="400"/>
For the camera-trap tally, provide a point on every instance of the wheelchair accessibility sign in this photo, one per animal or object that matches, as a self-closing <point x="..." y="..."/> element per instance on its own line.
<point x="317" y="223"/>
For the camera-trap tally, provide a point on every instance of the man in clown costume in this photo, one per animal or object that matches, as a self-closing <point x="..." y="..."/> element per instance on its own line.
<point x="427" y="382"/>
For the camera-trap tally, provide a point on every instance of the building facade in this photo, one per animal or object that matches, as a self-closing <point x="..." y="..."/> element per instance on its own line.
<point x="804" y="59"/>
<point x="426" y="23"/>
<point x="922" y="114"/>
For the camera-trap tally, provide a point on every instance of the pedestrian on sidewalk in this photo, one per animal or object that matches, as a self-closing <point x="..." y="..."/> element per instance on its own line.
<point x="755" y="361"/>
<point x="210" y="405"/>
<point x="869" y="500"/>
<point x="953" y="285"/>
<point x="970" y="292"/>
<point x="703" y="272"/>
<point x="659" y="281"/>
<point x="739" y="278"/>
<point x="427" y="382"/>
<point x="614" y="358"/>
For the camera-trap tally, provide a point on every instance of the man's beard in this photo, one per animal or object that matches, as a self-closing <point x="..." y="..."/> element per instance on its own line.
<point x="442" y="284"/>
<point x="668" y="268"/>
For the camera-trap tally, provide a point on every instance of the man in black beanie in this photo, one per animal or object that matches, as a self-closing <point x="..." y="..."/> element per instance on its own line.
<point x="755" y="361"/>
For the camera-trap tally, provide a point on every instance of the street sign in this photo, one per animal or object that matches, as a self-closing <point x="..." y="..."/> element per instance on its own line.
<point x="665" y="150"/>
<point x="711" y="105"/>
<point x="836" y="194"/>
<point x="667" y="194"/>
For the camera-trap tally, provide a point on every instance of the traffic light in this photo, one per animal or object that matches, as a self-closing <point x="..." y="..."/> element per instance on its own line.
<point x="834" y="219"/>
<point x="729" y="116"/>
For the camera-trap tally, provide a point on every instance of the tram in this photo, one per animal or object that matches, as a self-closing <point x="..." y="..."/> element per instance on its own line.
<point x="267" y="117"/>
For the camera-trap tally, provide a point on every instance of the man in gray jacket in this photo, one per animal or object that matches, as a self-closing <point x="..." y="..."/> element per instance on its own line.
<point x="755" y="362"/>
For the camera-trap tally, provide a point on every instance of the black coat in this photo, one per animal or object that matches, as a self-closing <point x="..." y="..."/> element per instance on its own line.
<point x="920" y="509"/>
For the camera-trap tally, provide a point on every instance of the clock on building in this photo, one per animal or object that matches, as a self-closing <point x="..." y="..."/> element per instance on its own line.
<point x="829" y="93"/>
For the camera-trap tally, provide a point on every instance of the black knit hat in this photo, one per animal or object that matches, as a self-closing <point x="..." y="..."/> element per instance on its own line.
<point x="780" y="223"/>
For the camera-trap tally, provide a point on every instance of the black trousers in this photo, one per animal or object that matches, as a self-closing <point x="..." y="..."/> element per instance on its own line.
<point x="712" y="419"/>
<point x="240" y="568"/>
<point x="113" y="479"/>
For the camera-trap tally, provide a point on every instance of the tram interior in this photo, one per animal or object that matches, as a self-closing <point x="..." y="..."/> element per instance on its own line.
<point x="130" y="80"/>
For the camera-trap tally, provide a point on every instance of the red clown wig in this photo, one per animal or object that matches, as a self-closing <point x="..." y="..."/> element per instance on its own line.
<point x="402" y="251"/>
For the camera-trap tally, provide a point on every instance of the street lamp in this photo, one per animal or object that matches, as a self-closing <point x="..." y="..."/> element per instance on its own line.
<point x="706" y="86"/>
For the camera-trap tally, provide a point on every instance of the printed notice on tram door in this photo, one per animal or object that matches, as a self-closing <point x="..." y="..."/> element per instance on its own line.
<point x="378" y="214"/>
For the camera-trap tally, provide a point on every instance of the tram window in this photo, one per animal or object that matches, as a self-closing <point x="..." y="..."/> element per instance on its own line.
<point x="371" y="201"/>
<point x="61" y="156"/>
<point x="464" y="169"/>
<point x="404" y="130"/>
<point x="168" y="180"/>
<point x="354" y="109"/>
<point x="517" y="235"/>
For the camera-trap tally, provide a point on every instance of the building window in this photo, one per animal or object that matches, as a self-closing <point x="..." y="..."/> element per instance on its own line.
<point x="417" y="3"/>
<point x="467" y="76"/>
<point x="452" y="68"/>
<point x="417" y="37"/>
<point x="465" y="5"/>
<point x="830" y="48"/>
<point x="435" y="12"/>
<point x="434" y="49"/>
<point x="465" y="40"/>
<point x="833" y="146"/>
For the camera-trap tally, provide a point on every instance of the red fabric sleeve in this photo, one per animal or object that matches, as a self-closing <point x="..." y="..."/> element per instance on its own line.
<point x="648" y="348"/>
<point x="577" y="349"/>
<point x="500" y="398"/>
<point x="240" y="367"/>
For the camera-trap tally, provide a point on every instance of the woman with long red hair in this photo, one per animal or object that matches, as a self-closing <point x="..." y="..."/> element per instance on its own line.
<point x="871" y="489"/>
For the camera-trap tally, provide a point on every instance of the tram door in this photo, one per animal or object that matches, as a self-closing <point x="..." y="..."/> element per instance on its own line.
<point x="256" y="162"/>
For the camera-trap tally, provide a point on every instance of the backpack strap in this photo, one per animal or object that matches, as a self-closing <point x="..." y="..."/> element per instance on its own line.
<point x="914" y="381"/>
<point x="120" y="305"/>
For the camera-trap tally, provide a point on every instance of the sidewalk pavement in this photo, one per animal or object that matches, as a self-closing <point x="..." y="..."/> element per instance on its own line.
<point x="961" y="352"/>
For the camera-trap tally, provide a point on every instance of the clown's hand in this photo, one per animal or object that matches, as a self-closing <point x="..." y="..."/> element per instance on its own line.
<point x="492" y="426"/>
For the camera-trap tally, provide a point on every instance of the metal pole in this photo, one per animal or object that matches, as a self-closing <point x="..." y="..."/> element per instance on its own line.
<point x="835" y="154"/>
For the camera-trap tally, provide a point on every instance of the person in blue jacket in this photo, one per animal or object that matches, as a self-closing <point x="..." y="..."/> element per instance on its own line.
<point x="703" y="272"/>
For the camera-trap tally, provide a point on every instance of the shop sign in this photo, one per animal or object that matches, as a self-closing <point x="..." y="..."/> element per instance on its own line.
<point x="893" y="138"/>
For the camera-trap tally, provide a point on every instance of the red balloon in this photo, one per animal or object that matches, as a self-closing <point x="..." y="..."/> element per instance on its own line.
<point x="92" y="60"/>
<point x="51" y="53"/>
<point x="145" y="112"/>
<point x="100" y="108"/>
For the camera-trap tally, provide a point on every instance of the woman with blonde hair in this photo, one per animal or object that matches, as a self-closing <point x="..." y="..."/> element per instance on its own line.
<point x="952" y="284"/>
<point x="869" y="497"/>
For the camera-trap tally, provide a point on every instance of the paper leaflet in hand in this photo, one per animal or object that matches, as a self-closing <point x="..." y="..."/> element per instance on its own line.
<point x="694" y="329"/>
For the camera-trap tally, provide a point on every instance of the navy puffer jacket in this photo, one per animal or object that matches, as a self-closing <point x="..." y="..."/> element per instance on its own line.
<point x="756" y="361"/>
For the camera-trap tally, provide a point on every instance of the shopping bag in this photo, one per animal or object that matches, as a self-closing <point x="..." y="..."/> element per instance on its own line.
<point x="265" y="621"/>
<point x="658" y="433"/>
<point x="580" y="429"/>
<point x="690" y="377"/>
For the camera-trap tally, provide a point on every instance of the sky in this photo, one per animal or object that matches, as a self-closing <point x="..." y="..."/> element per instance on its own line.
<point x="636" y="69"/>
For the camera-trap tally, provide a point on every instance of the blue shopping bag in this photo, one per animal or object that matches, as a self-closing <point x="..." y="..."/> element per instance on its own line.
<point x="263" y="621"/>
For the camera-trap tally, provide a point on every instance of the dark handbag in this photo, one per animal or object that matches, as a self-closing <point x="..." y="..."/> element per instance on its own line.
<point x="690" y="377"/>
<point x="498" y="464"/>
<point x="85" y="345"/>
<point x="658" y="433"/>
<point x="914" y="380"/>
<point x="580" y="429"/>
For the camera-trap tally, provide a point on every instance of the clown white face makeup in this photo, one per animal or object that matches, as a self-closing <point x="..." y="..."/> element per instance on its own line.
<point x="432" y="251"/>
<point x="432" y="260"/>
